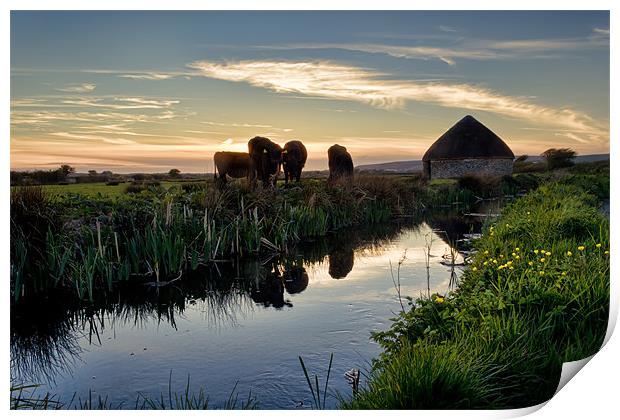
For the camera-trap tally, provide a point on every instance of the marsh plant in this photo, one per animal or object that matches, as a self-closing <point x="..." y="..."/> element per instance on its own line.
<point x="90" y="245"/>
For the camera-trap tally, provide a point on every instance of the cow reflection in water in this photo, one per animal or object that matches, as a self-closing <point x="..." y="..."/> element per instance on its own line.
<point x="295" y="280"/>
<point x="341" y="262"/>
<point x="267" y="288"/>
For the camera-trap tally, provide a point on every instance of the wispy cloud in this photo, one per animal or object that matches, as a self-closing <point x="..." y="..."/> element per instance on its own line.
<point x="445" y="28"/>
<point x="78" y="88"/>
<point x="601" y="31"/>
<point x="344" y="82"/>
<point x="468" y="49"/>
<point x="148" y="76"/>
<point x="121" y="103"/>
<point x="245" y="125"/>
<point x="104" y="139"/>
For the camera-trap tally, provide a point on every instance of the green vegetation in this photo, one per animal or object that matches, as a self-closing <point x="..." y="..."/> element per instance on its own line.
<point x="535" y="295"/>
<point x="25" y="397"/>
<point x="90" y="244"/>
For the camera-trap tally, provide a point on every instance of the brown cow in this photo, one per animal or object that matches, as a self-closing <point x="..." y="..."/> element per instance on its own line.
<point x="265" y="160"/>
<point x="233" y="164"/>
<point x="294" y="158"/>
<point x="340" y="164"/>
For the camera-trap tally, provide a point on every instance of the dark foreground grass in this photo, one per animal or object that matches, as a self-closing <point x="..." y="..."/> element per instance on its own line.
<point x="536" y="295"/>
<point x="25" y="397"/>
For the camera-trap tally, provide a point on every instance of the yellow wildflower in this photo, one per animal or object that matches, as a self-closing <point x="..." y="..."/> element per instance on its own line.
<point x="536" y="251"/>
<point x="517" y="257"/>
<point x="474" y="269"/>
<point x="606" y="252"/>
<point x="563" y="273"/>
<point x="581" y="247"/>
<point x="542" y="260"/>
<point x="439" y="299"/>
<point x="569" y="253"/>
<point x="514" y="254"/>
<point x="547" y="253"/>
<point x="528" y="213"/>
<point x="511" y="267"/>
<point x="530" y="263"/>
<point x="485" y="263"/>
<point x="486" y="252"/>
<point x="517" y="249"/>
<point x="494" y="261"/>
<point x="509" y="263"/>
<point x="542" y="273"/>
<point x="598" y="245"/>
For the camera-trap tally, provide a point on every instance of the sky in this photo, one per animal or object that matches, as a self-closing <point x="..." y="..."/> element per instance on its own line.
<point x="149" y="91"/>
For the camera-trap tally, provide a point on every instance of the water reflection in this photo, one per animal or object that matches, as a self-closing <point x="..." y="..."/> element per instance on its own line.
<point x="48" y="335"/>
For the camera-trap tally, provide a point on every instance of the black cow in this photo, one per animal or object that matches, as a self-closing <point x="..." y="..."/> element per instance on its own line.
<point x="340" y="164"/>
<point x="233" y="164"/>
<point x="294" y="157"/>
<point x="265" y="160"/>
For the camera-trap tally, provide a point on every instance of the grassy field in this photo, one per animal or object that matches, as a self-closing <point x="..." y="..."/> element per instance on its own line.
<point x="96" y="189"/>
<point x="535" y="295"/>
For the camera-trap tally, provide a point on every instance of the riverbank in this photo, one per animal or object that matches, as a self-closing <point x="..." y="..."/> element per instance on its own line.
<point x="535" y="295"/>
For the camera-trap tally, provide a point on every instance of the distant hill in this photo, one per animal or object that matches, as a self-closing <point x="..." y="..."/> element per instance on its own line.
<point x="416" y="165"/>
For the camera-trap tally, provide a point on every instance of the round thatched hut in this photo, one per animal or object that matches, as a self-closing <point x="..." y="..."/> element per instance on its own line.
<point x="468" y="148"/>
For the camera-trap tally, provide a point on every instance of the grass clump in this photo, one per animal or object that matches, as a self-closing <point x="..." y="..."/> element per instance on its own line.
<point x="536" y="295"/>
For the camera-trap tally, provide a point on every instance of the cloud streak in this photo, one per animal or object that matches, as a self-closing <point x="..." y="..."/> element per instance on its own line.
<point x="78" y="88"/>
<point x="472" y="49"/>
<point x="338" y="81"/>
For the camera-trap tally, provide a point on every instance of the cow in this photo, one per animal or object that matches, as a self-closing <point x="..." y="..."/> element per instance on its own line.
<point x="340" y="164"/>
<point x="265" y="160"/>
<point x="233" y="164"/>
<point x="294" y="157"/>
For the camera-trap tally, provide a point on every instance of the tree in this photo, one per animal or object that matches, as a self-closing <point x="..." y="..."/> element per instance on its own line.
<point x="174" y="173"/>
<point x="92" y="172"/>
<point x="67" y="169"/>
<point x="559" y="158"/>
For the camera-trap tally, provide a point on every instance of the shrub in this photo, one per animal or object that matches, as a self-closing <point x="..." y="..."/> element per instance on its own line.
<point x="137" y="187"/>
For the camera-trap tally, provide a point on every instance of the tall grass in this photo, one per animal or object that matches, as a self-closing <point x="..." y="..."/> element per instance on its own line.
<point x="25" y="397"/>
<point x="93" y="244"/>
<point x="536" y="295"/>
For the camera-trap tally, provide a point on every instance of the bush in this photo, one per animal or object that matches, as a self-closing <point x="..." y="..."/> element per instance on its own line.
<point x="137" y="187"/>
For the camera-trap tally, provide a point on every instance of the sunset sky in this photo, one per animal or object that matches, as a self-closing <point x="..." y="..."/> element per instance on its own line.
<point x="150" y="91"/>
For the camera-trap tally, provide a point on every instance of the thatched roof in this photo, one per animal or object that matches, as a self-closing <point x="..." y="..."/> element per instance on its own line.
<point x="468" y="139"/>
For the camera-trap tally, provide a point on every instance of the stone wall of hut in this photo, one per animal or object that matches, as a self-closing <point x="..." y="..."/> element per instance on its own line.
<point x="455" y="168"/>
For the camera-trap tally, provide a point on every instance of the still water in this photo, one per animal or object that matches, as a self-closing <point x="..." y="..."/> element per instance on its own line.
<point x="238" y="324"/>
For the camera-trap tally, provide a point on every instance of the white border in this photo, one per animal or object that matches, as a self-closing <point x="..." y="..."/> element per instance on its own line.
<point x="592" y="393"/>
